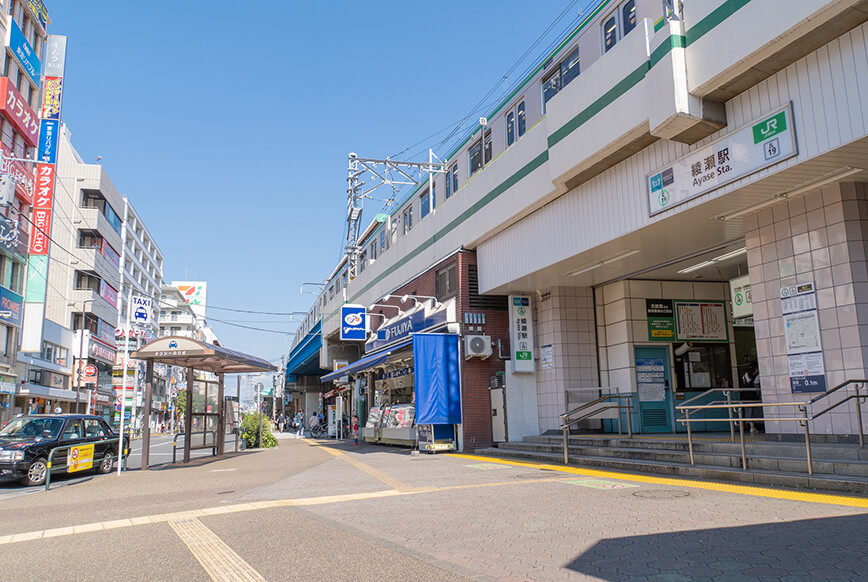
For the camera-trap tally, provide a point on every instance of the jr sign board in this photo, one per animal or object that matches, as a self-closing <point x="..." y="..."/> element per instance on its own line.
<point x="353" y="323"/>
<point x="767" y="141"/>
<point x="521" y="329"/>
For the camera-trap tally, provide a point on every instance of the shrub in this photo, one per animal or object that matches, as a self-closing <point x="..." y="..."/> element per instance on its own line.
<point x="250" y="431"/>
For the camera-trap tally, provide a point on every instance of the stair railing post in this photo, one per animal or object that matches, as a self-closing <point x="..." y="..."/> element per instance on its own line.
<point x="566" y="444"/>
<point x="859" y="416"/>
<point x="689" y="435"/>
<point x="741" y="436"/>
<point x="629" y="416"/>
<point x="729" y="412"/>
<point x="804" y="410"/>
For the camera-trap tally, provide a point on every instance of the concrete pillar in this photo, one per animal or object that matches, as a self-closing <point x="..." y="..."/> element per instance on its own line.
<point x="821" y="238"/>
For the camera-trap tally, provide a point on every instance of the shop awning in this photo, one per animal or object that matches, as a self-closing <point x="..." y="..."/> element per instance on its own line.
<point x="365" y="362"/>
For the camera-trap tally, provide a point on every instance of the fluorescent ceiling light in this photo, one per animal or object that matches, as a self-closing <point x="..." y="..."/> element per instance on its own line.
<point x="715" y="260"/>
<point x="600" y="263"/>
<point x="813" y="185"/>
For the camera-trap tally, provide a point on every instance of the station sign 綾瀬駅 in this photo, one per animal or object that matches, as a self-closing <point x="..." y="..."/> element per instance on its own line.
<point x="354" y="321"/>
<point x="763" y="143"/>
<point x="521" y="329"/>
<point x="802" y="337"/>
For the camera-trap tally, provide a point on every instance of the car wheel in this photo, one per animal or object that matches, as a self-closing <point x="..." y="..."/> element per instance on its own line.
<point x="107" y="463"/>
<point x="36" y="473"/>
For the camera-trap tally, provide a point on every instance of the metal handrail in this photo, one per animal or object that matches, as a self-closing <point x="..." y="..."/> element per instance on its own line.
<point x="55" y="449"/>
<point x="566" y="422"/>
<point x="804" y="420"/>
<point x="183" y="434"/>
<point x="726" y="392"/>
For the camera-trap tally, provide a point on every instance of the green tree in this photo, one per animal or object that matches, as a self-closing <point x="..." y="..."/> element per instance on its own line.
<point x="181" y="403"/>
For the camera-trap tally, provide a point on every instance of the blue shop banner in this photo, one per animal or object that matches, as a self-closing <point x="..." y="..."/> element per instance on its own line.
<point x="353" y="323"/>
<point x="25" y="53"/>
<point x="402" y="328"/>
<point x="49" y="136"/>
<point x="11" y="307"/>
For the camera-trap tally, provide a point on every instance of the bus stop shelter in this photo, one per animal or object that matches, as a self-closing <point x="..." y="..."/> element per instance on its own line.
<point x="205" y="407"/>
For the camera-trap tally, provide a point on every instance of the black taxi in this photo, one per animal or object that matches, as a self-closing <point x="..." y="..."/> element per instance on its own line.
<point x="26" y="442"/>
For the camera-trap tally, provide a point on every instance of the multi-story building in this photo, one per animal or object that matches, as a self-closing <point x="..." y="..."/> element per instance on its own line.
<point x="83" y="280"/>
<point x="671" y="195"/>
<point x="23" y="32"/>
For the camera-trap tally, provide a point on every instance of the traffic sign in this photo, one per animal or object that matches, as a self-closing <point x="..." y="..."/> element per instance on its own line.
<point x="141" y="309"/>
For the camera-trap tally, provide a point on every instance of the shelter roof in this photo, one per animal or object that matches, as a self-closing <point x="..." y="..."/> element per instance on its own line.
<point x="190" y="353"/>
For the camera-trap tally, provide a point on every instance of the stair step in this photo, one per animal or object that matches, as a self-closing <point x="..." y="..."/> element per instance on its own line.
<point x="757" y="476"/>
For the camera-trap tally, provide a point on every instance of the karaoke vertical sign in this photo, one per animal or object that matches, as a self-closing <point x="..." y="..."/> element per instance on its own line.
<point x="43" y="196"/>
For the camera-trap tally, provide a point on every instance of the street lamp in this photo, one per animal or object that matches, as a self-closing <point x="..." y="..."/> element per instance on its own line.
<point x="416" y="298"/>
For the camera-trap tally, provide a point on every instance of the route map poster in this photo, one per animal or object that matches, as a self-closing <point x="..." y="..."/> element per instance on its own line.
<point x="802" y="334"/>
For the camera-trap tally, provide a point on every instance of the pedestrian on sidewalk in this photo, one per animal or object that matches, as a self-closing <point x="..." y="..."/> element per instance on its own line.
<point x="299" y="422"/>
<point x="280" y="422"/>
<point x="355" y="429"/>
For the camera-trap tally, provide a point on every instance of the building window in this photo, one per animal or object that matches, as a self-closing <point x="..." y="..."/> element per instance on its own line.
<point x="566" y="71"/>
<point x="475" y="157"/>
<point x="447" y="282"/>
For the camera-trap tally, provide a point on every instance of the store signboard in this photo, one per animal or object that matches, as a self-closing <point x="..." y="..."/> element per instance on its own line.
<point x="521" y="330"/>
<point x="661" y="320"/>
<point x="11" y="243"/>
<point x="23" y="174"/>
<point x="11" y="307"/>
<point x="402" y="328"/>
<point x="802" y="336"/>
<point x="354" y="323"/>
<point x="767" y="141"/>
<point x="39" y="11"/>
<point x="108" y="293"/>
<point x="24" y="53"/>
<point x="15" y="108"/>
<point x="742" y="303"/>
<point x="49" y="137"/>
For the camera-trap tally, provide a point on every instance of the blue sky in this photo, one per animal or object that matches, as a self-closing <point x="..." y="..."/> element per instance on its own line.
<point x="228" y="124"/>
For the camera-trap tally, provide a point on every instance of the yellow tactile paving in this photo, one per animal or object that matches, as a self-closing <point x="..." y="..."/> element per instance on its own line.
<point x="375" y="473"/>
<point x="219" y="560"/>
<point x="755" y="490"/>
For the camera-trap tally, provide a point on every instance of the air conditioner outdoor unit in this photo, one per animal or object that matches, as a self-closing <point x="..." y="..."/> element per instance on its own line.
<point x="477" y="346"/>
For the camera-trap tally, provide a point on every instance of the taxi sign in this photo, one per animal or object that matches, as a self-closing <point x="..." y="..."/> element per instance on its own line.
<point x="80" y="458"/>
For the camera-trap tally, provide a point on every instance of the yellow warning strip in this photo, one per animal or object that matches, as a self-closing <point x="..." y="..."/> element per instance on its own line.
<point x="755" y="490"/>
<point x="375" y="473"/>
<point x="219" y="560"/>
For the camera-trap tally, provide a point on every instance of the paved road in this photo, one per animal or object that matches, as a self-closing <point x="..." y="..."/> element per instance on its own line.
<point x="330" y="511"/>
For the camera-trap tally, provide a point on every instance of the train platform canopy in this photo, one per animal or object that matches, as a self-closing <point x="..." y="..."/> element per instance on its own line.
<point x="190" y="353"/>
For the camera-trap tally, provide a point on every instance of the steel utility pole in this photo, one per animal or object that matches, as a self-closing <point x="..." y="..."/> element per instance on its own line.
<point x="386" y="172"/>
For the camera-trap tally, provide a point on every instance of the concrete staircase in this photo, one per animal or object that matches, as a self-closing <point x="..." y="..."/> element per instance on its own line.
<point x="837" y="467"/>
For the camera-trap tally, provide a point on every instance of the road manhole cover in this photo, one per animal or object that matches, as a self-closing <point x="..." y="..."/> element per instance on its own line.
<point x="661" y="494"/>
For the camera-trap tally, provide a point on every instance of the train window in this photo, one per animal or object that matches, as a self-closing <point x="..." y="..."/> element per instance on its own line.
<point x="610" y="33"/>
<point x="487" y="146"/>
<point x="522" y="119"/>
<point x="455" y="178"/>
<point x="448" y="185"/>
<point x="510" y="128"/>
<point x="424" y="204"/>
<point x="628" y="16"/>
<point x="516" y="122"/>
<point x="570" y="67"/>
<point x="475" y="158"/>
<point x="567" y="70"/>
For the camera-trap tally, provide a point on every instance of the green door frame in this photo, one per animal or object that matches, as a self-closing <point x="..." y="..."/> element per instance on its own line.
<point x="654" y="388"/>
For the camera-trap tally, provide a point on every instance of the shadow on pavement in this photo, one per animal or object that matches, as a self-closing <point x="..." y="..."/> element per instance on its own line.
<point x="834" y="548"/>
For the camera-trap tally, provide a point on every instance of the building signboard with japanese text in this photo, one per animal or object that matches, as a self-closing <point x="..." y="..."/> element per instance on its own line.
<point x="11" y="307"/>
<point x="23" y="174"/>
<point x="802" y="336"/>
<point x="763" y="143"/>
<point x="701" y="321"/>
<point x="661" y="320"/>
<point x="24" y="53"/>
<point x="49" y="135"/>
<point x="15" y="108"/>
<point x="51" y="99"/>
<point x="80" y="458"/>
<point x="521" y="330"/>
<point x="13" y="243"/>
<point x="39" y="11"/>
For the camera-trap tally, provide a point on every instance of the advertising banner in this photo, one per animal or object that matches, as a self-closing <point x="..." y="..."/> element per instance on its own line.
<point x="51" y="98"/>
<point x="11" y="307"/>
<point x="768" y="141"/>
<point x="23" y="174"/>
<point x="80" y="458"/>
<point x="195" y="293"/>
<point x="40" y="12"/>
<point x="19" y="113"/>
<point x="13" y="243"/>
<point x="24" y="53"/>
<point x="46" y="151"/>
<point x="108" y="293"/>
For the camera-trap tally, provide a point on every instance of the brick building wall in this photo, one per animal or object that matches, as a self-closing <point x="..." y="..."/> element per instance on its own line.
<point x="475" y="372"/>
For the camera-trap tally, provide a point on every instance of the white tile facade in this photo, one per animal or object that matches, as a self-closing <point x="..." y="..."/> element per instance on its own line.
<point x="820" y="238"/>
